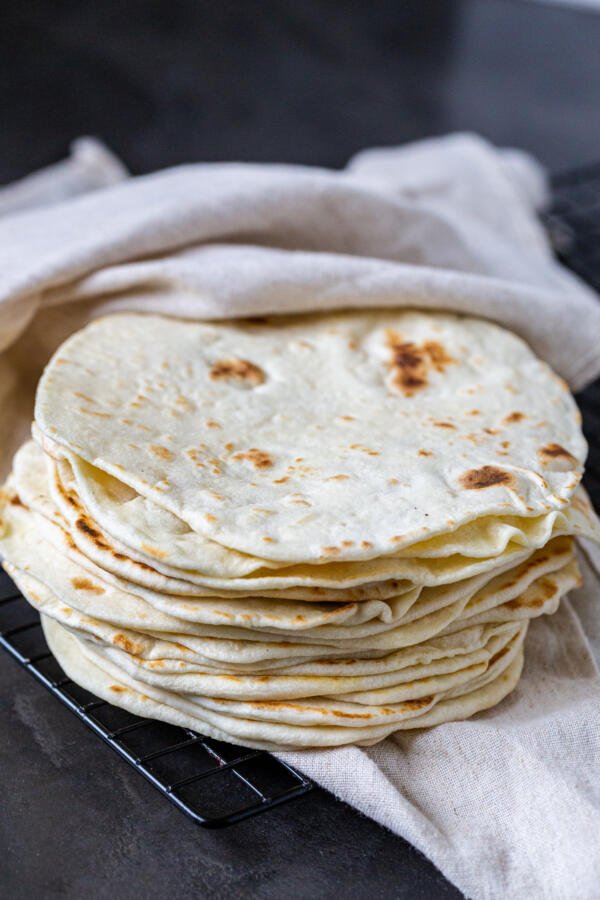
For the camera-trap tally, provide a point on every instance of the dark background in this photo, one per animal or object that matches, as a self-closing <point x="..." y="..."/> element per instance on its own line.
<point x="308" y="81"/>
<point x="294" y="81"/>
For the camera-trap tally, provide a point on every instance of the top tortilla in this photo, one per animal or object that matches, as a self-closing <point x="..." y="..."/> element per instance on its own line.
<point x="321" y="438"/>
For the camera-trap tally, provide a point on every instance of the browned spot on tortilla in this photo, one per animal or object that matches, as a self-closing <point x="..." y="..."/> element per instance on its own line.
<point x="338" y="478"/>
<point x="555" y="451"/>
<point x="258" y="458"/>
<point x="352" y="344"/>
<point x="184" y="403"/>
<point x="210" y="423"/>
<point x="487" y="476"/>
<point x="473" y="412"/>
<point x="118" y="689"/>
<point x="347" y="543"/>
<point x="347" y="418"/>
<point x="513" y="417"/>
<point x="505" y="444"/>
<point x="209" y="517"/>
<point x="411" y="363"/>
<point x="281" y="480"/>
<point x="84" y="584"/>
<point x="393" y="481"/>
<point x="532" y="603"/>
<point x="154" y="551"/>
<point x="444" y="424"/>
<point x="331" y="551"/>
<point x="121" y="641"/>
<point x="499" y="654"/>
<point x="15" y="500"/>
<point x="397" y="539"/>
<point x="268" y="540"/>
<point x="240" y="371"/>
<point x="229" y="446"/>
<point x="425" y="453"/>
<point x="417" y="704"/>
<point x="93" y="412"/>
<point x="162" y="452"/>
<point x="364" y="449"/>
<point x="83" y="397"/>
<point x="491" y="431"/>
<point x="366" y="544"/>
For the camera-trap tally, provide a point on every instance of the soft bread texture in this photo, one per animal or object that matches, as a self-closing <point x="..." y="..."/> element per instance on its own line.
<point x="99" y="675"/>
<point x="299" y="532"/>
<point x="342" y="437"/>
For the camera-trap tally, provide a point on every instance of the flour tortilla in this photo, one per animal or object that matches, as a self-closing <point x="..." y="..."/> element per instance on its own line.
<point x="104" y="679"/>
<point x="266" y="621"/>
<point x="449" y="651"/>
<point x="350" y="436"/>
<point x="578" y="518"/>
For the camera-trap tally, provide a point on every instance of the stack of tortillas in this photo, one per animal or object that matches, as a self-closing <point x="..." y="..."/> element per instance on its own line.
<point x="297" y="532"/>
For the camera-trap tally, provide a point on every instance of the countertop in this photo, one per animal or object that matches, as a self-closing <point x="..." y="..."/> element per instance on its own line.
<point x="308" y="82"/>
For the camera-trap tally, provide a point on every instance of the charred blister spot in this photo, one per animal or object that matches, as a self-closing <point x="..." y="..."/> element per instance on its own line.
<point x="120" y="640"/>
<point x="485" y="477"/>
<point x="154" y="551"/>
<point x="410" y="363"/>
<point x="237" y="371"/>
<point x="162" y="452"/>
<point x="258" y="458"/>
<point x="84" y="584"/>
<point x="410" y="705"/>
<point x="83" y="525"/>
<point x="556" y="457"/>
<point x="513" y="418"/>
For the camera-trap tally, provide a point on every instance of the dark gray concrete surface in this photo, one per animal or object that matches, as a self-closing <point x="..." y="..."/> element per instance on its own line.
<point x="77" y="822"/>
<point x="296" y="81"/>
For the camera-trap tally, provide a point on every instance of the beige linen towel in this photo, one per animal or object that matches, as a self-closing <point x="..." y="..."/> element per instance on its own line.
<point x="508" y="803"/>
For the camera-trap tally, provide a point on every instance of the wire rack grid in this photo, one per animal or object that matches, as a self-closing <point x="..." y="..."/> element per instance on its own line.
<point x="214" y="783"/>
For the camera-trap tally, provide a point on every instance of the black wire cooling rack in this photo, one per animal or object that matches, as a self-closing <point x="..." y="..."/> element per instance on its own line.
<point x="215" y="783"/>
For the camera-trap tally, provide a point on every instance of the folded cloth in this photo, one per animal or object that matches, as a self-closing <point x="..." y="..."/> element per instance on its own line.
<point x="508" y="803"/>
